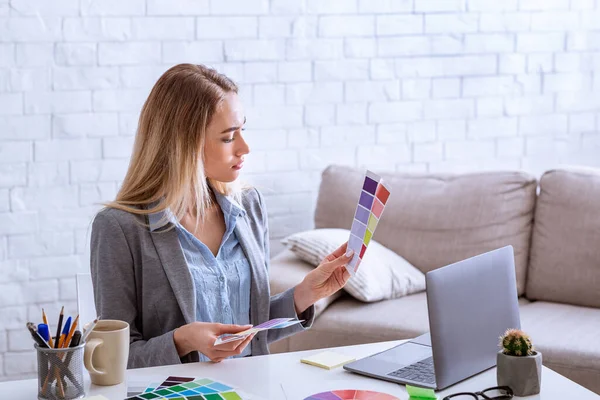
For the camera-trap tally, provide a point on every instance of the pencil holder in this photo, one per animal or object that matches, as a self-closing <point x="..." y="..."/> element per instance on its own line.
<point x="60" y="373"/>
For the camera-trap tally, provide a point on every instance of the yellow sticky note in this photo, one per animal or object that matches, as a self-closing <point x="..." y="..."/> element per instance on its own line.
<point x="328" y="360"/>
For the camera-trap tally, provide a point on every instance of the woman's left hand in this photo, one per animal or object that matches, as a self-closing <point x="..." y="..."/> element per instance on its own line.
<point x="329" y="277"/>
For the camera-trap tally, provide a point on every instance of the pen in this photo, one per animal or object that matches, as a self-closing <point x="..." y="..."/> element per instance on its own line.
<point x="44" y="331"/>
<point x="64" y="333"/>
<point x="76" y="339"/>
<point x="69" y="338"/>
<point x="45" y="319"/>
<point x="59" y="327"/>
<point x="36" y="335"/>
<point x="45" y="334"/>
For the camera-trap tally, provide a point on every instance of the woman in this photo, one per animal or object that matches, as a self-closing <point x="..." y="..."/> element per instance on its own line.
<point x="182" y="254"/>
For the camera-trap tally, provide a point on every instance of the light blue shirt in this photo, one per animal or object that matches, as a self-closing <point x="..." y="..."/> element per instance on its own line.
<point x="221" y="283"/>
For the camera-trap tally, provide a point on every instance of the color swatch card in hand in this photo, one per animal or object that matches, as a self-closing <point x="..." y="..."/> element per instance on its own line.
<point x="276" y="323"/>
<point x="371" y="203"/>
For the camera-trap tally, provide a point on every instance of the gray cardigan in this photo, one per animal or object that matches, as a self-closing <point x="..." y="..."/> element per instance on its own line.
<point x="141" y="277"/>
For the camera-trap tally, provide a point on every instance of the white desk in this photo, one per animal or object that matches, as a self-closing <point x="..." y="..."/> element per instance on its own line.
<point x="283" y="377"/>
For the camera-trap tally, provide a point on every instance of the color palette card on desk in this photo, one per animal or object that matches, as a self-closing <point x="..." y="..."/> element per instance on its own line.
<point x="330" y="388"/>
<point x="187" y="388"/>
<point x="371" y="203"/>
<point x="277" y="323"/>
<point x="351" y="394"/>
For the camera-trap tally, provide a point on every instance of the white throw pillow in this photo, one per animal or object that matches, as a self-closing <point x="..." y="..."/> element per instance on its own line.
<point x="382" y="274"/>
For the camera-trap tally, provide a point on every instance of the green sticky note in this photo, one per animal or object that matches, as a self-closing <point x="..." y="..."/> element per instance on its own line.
<point x="420" y="393"/>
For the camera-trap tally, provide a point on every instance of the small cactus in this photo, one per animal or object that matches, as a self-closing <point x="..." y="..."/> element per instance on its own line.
<point x="517" y="343"/>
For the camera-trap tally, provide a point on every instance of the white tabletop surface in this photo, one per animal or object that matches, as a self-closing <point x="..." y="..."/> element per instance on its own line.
<point x="284" y="377"/>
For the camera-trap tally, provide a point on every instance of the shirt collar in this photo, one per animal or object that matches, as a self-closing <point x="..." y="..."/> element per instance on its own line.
<point x="229" y="206"/>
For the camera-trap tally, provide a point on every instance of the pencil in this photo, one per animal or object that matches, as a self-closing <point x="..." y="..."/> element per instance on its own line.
<point x="59" y="383"/>
<point x="71" y="333"/>
<point x="45" y="319"/>
<point x="59" y="327"/>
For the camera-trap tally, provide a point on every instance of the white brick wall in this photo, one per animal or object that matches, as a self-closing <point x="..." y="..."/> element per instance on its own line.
<point x="404" y="85"/>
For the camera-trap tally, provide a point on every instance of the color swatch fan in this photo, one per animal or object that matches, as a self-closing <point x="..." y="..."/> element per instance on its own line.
<point x="371" y="203"/>
<point x="277" y="323"/>
<point x="351" y="395"/>
<point x="188" y="388"/>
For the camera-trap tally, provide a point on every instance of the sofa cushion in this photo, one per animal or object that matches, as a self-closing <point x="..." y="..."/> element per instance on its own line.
<point x="434" y="220"/>
<point x="287" y="271"/>
<point x="565" y="249"/>
<point x="382" y="275"/>
<point x="567" y="336"/>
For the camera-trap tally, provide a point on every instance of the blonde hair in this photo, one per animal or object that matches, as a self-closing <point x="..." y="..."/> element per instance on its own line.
<point x="166" y="170"/>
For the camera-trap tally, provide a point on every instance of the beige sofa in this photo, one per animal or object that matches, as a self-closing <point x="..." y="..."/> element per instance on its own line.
<point x="434" y="220"/>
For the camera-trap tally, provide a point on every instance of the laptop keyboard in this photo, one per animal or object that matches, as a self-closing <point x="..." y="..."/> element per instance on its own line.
<point x="421" y="371"/>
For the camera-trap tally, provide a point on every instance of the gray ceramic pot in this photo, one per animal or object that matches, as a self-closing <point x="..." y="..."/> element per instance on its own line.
<point x="522" y="374"/>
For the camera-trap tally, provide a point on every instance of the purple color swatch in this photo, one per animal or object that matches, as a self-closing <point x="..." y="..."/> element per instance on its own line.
<point x="358" y="229"/>
<point x="370" y="185"/>
<point x="362" y="214"/>
<point x="366" y="200"/>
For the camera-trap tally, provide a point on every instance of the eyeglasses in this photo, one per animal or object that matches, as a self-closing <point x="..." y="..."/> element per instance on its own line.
<point x="493" y="393"/>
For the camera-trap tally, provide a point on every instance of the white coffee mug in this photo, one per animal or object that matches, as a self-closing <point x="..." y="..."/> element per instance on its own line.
<point x="107" y="351"/>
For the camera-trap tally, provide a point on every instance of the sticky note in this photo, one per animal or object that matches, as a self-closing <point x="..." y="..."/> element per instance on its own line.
<point x="416" y="392"/>
<point x="328" y="360"/>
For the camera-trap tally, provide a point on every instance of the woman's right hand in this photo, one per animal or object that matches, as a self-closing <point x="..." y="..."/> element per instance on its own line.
<point x="201" y="336"/>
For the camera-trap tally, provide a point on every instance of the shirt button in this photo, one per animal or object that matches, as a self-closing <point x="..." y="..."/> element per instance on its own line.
<point x="221" y="279"/>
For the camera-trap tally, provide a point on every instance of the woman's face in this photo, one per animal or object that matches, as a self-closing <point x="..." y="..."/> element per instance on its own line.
<point x="225" y="147"/>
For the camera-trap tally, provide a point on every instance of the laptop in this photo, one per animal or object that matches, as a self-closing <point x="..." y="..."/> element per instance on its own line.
<point x="471" y="304"/>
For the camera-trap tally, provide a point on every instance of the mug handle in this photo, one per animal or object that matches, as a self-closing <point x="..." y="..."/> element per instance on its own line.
<point x="90" y="347"/>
